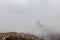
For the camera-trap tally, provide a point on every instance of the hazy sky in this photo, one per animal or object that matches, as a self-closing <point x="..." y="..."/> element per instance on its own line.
<point x="22" y="15"/>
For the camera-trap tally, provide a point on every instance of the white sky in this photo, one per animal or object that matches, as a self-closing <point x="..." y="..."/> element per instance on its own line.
<point x="22" y="15"/>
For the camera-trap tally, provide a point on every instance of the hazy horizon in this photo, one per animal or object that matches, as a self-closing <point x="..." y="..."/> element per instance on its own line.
<point x="22" y="16"/>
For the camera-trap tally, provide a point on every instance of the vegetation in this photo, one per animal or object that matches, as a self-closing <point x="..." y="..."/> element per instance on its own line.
<point x="18" y="36"/>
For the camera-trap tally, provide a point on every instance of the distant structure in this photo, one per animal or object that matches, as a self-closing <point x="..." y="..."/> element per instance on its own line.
<point x="40" y="29"/>
<point x="39" y="25"/>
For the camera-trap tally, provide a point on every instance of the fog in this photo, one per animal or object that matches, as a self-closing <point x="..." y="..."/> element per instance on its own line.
<point x="22" y="16"/>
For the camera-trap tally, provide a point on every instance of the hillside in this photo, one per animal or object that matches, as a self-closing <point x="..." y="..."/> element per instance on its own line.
<point x="17" y="36"/>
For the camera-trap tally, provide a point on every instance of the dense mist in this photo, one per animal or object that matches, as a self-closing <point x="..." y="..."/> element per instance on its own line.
<point x="22" y="16"/>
